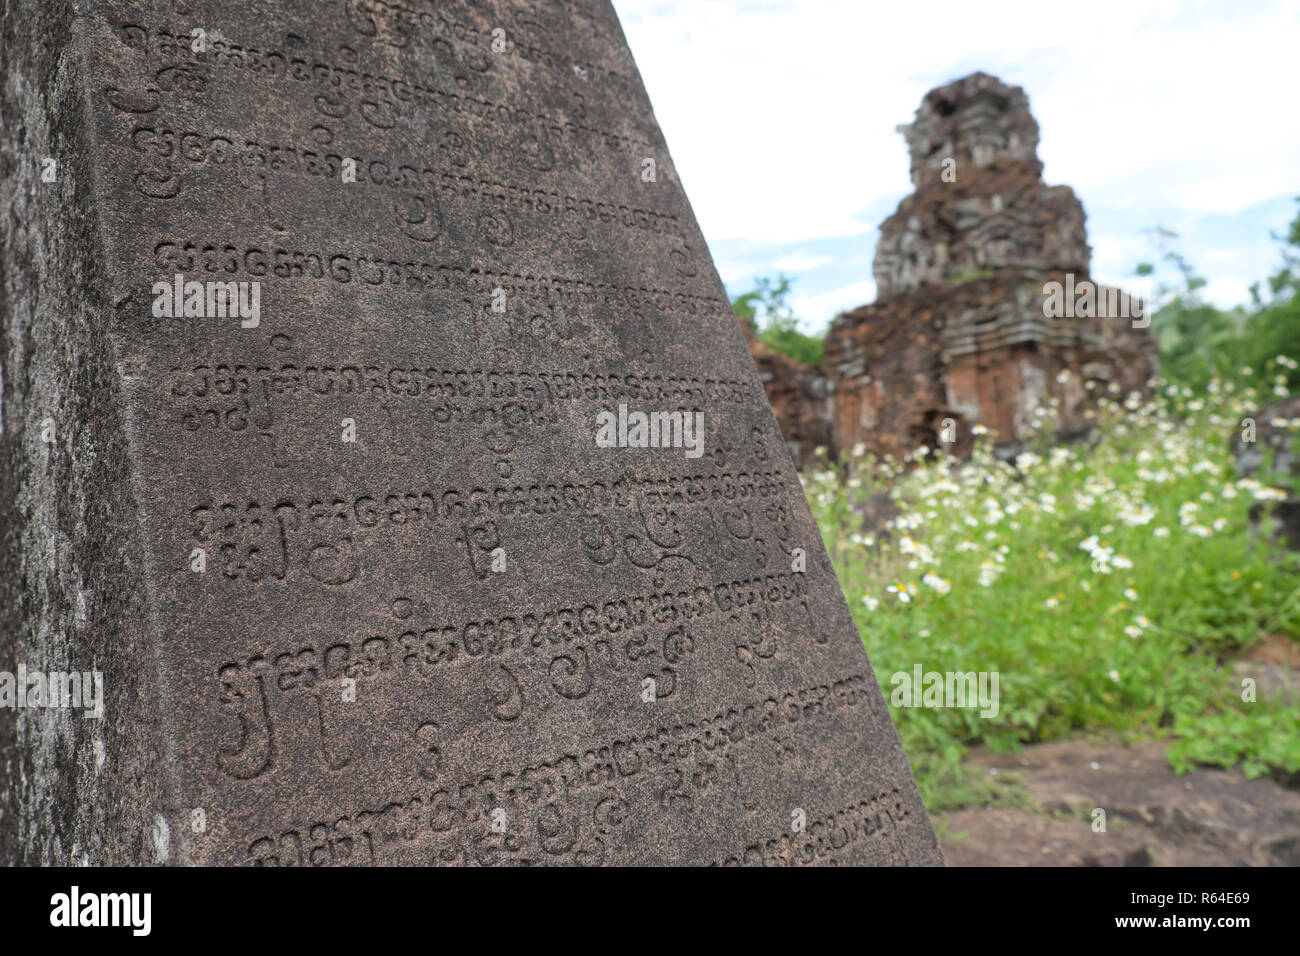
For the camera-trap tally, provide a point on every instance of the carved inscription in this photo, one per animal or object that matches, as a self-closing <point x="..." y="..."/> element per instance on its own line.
<point x="568" y="804"/>
<point x="414" y="605"/>
<point x="874" y="824"/>
<point x="641" y="521"/>
<point x="525" y="660"/>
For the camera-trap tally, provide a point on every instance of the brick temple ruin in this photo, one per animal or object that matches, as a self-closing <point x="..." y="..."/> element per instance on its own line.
<point x="960" y="329"/>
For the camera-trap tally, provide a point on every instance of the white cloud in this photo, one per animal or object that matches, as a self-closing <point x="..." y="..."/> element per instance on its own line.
<point x="1223" y="255"/>
<point x="1226" y="291"/>
<point x="801" y="262"/>
<point x="816" y="310"/>
<point x="1230" y="192"/>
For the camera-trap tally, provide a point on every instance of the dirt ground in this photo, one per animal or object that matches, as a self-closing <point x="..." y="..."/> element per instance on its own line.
<point x="1208" y="817"/>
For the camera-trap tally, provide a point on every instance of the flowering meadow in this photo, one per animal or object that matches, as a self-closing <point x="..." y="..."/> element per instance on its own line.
<point x="1110" y="584"/>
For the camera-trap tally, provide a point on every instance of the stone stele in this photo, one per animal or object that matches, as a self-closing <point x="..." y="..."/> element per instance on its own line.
<point x="316" y="318"/>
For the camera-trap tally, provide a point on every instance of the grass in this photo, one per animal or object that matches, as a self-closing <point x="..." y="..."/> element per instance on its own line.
<point x="1110" y="584"/>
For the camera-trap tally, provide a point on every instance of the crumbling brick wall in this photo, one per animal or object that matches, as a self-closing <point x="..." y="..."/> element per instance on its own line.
<point x="960" y="333"/>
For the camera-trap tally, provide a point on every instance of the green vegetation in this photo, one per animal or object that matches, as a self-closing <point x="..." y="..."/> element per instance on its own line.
<point x="779" y="330"/>
<point x="1112" y="584"/>
<point x="1109" y="585"/>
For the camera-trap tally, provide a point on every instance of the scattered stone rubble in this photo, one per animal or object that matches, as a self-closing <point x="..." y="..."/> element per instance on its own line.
<point x="1273" y="448"/>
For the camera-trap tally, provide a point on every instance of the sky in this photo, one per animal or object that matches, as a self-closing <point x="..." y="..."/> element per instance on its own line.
<point x="781" y="115"/>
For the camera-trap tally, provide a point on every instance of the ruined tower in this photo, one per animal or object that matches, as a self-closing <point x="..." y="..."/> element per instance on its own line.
<point x="961" y="331"/>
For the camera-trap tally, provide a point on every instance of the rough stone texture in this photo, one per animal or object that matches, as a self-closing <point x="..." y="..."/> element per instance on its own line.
<point x="1154" y="817"/>
<point x="496" y="589"/>
<point x="801" y="399"/>
<point x="976" y="352"/>
<point x="959" y="333"/>
<point x="73" y="595"/>
<point x="996" y="214"/>
<point x="1274" y="444"/>
<point x="1274" y="447"/>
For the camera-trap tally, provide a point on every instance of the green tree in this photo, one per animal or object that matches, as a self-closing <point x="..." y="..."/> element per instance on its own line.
<point x="1274" y="328"/>
<point x="766" y="310"/>
<point x="1199" y="342"/>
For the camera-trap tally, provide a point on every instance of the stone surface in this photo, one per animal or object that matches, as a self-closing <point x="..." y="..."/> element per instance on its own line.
<point x="1274" y="449"/>
<point x="977" y="352"/>
<point x="363" y="584"/>
<point x="1154" y="817"/>
<point x="801" y="399"/>
<point x="959" y="333"/>
<point x="1274" y="442"/>
<point x="993" y="210"/>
